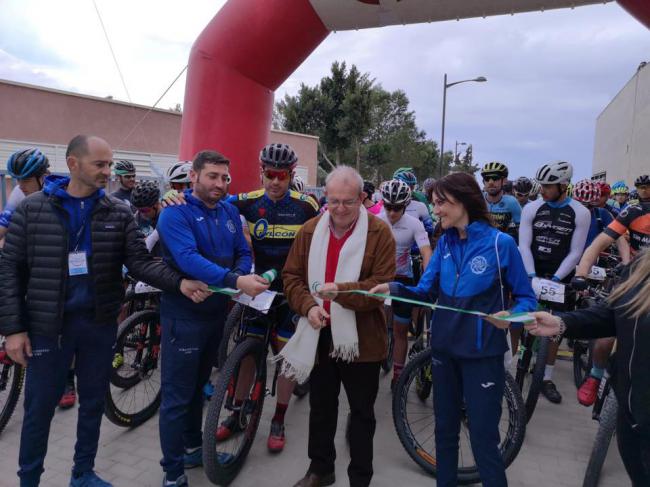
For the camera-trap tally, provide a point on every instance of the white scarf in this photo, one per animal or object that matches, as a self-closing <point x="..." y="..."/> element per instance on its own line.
<point x="299" y="354"/>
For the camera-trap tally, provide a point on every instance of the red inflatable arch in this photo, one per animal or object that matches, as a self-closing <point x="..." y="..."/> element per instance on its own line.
<point x="252" y="46"/>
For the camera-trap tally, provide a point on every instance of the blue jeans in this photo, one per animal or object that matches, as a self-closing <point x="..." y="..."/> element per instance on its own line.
<point x="92" y="346"/>
<point x="188" y="350"/>
<point x="479" y="383"/>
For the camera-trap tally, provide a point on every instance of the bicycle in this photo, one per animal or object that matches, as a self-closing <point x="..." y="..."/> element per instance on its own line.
<point x="134" y="392"/>
<point x="12" y="377"/>
<point x="531" y="363"/>
<point x="222" y="460"/>
<point x="415" y="423"/>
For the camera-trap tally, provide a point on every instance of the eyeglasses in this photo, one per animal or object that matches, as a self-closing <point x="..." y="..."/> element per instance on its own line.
<point x="396" y="208"/>
<point x="521" y="195"/>
<point x="492" y="178"/>
<point x="270" y="174"/>
<point x="345" y="203"/>
<point x="128" y="176"/>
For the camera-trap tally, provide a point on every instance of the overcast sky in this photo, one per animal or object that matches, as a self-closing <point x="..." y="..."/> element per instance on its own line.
<point x="549" y="74"/>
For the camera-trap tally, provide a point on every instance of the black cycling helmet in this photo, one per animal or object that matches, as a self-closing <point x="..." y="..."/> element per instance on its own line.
<point x="145" y="194"/>
<point x="279" y="156"/>
<point x="27" y="163"/>
<point x="368" y="188"/>
<point x="124" y="168"/>
<point x="523" y="185"/>
<point x="642" y="180"/>
<point x="494" y="168"/>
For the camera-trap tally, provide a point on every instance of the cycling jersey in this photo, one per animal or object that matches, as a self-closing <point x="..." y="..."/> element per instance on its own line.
<point x="506" y="213"/>
<point x="407" y="230"/>
<point x="552" y="237"/>
<point x="636" y="220"/>
<point x="123" y="195"/>
<point x="14" y="200"/>
<point x="273" y="226"/>
<point x="419" y="210"/>
<point x="600" y="219"/>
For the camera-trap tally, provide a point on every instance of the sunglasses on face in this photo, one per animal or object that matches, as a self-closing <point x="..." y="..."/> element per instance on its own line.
<point x="270" y="174"/>
<point x="129" y="176"/>
<point x="521" y="195"/>
<point x="643" y="187"/>
<point x="491" y="178"/>
<point x="396" y="208"/>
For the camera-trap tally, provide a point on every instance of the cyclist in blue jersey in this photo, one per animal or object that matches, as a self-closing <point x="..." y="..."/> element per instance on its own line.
<point x="273" y="217"/>
<point x="29" y="167"/>
<point x="504" y="208"/>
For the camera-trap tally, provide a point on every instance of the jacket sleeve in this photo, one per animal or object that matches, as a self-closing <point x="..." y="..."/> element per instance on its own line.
<point x="526" y="237"/>
<point x="178" y="237"/>
<point x="13" y="268"/>
<point x="382" y="270"/>
<point x="243" y="254"/>
<point x="516" y="277"/>
<point x="593" y="322"/>
<point x="294" y="276"/>
<point x="428" y="285"/>
<point x="141" y="263"/>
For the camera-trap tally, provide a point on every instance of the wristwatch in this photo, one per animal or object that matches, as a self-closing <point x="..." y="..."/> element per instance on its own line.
<point x="560" y="334"/>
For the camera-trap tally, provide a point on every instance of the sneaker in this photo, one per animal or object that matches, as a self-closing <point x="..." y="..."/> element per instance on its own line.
<point x="208" y="390"/>
<point x="69" y="397"/>
<point x="88" y="479"/>
<point x="550" y="392"/>
<point x="229" y="427"/>
<point x="194" y="459"/>
<point x="588" y="391"/>
<point x="180" y="482"/>
<point x="276" y="441"/>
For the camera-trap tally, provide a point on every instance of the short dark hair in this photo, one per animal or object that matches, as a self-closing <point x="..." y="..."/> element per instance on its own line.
<point x="208" y="157"/>
<point x="78" y="146"/>
<point x="464" y="189"/>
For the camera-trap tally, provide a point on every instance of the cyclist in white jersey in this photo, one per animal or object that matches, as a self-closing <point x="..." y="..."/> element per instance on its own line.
<point x="407" y="231"/>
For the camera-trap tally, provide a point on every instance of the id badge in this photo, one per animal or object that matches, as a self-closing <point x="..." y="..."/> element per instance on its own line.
<point x="77" y="263"/>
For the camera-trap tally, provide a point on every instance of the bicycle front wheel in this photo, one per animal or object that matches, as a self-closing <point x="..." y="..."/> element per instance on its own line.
<point x="230" y="331"/>
<point x="530" y="371"/>
<point x="606" y="428"/>
<point x="415" y="423"/>
<point x="245" y="372"/>
<point x="134" y="393"/>
<point x="12" y="376"/>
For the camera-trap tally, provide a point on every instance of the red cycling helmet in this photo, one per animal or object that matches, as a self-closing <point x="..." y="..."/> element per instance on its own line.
<point x="605" y="189"/>
<point x="586" y="191"/>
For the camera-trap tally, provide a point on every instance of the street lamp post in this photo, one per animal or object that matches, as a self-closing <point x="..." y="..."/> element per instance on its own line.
<point x="446" y="85"/>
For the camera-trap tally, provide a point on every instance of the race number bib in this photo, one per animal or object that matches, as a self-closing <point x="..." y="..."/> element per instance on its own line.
<point x="549" y="291"/>
<point x="597" y="273"/>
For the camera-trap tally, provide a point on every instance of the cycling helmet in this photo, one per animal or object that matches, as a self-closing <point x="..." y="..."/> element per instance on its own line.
<point x="555" y="173"/>
<point x="586" y="191"/>
<point x="27" y="163"/>
<point x="428" y="184"/>
<point x="494" y="168"/>
<point x="619" y="187"/>
<point x="535" y="190"/>
<point x="279" y="156"/>
<point x="145" y="194"/>
<point x="368" y="188"/>
<point x="395" y="192"/>
<point x="298" y="184"/>
<point x="605" y="189"/>
<point x="569" y="189"/>
<point x="124" y="168"/>
<point x="179" y="172"/>
<point x="642" y="180"/>
<point x="523" y="185"/>
<point x="406" y="174"/>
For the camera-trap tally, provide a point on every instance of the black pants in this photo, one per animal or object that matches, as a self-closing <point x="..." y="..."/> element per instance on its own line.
<point x="361" y="382"/>
<point x="634" y="448"/>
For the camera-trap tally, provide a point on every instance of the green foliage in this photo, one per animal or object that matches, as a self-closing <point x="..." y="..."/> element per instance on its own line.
<point x="465" y="164"/>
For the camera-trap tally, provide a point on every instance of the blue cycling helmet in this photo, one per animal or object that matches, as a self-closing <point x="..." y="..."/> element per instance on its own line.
<point x="619" y="187"/>
<point x="27" y="163"/>
<point x="406" y="174"/>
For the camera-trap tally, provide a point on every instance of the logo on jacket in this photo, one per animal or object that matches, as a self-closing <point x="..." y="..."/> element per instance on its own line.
<point x="231" y="227"/>
<point x="478" y="264"/>
<point x="200" y="219"/>
<point x="260" y="228"/>
<point x="487" y="385"/>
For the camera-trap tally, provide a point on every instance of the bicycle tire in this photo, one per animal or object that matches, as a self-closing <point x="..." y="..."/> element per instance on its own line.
<point x="223" y="473"/>
<point x="230" y="328"/>
<point x="536" y="379"/>
<point x="606" y="429"/>
<point x="13" y="375"/>
<point x="582" y="361"/>
<point x="124" y="385"/>
<point x="510" y="444"/>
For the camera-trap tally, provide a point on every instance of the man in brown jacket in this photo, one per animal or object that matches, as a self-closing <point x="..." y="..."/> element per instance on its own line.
<point x="359" y="372"/>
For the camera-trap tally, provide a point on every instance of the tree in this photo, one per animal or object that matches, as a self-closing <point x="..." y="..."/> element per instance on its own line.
<point x="465" y="165"/>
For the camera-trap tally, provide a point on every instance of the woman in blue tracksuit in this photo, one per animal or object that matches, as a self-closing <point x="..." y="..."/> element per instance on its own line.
<point x="474" y="267"/>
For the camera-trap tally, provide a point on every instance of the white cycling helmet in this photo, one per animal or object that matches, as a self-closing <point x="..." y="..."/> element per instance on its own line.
<point x="298" y="184"/>
<point x="179" y="172"/>
<point x="555" y="173"/>
<point x="395" y="192"/>
<point x="535" y="190"/>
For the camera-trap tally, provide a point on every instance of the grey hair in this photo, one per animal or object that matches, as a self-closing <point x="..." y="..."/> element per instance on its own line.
<point x="346" y="174"/>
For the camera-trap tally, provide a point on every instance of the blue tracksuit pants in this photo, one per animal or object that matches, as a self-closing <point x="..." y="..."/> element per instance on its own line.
<point x="478" y="384"/>
<point x="188" y="350"/>
<point x="92" y="346"/>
